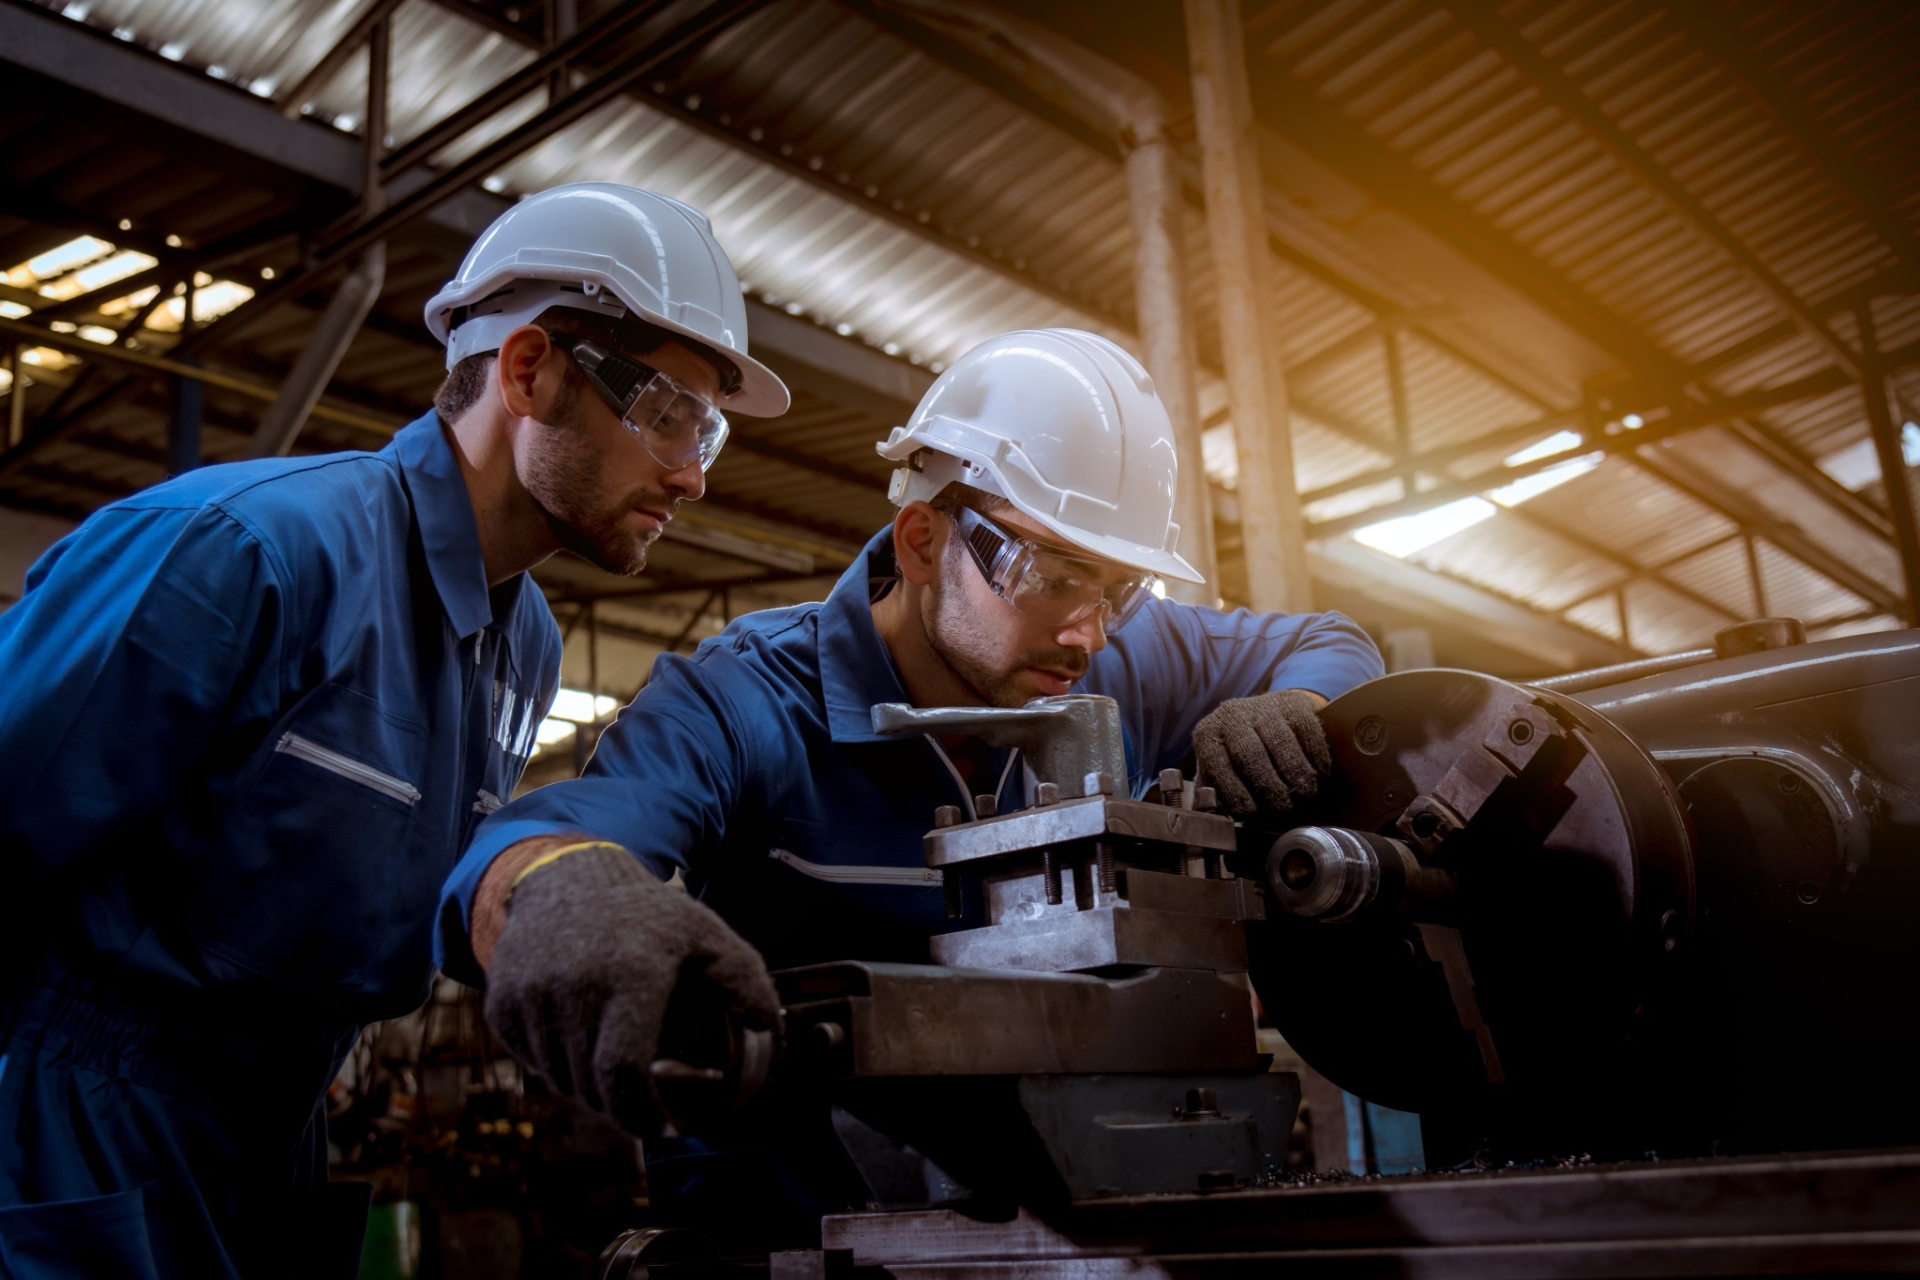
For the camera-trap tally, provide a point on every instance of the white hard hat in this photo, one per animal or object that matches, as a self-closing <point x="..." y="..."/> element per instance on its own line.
<point x="1066" y="426"/>
<point x="609" y="250"/>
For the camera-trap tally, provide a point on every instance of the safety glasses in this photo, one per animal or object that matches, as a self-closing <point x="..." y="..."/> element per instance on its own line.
<point x="676" y="424"/>
<point x="1043" y="583"/>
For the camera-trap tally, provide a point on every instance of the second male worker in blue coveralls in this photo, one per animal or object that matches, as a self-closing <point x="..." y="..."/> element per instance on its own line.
<point x="1035" y="489"/>
<point x="250" y="716"/>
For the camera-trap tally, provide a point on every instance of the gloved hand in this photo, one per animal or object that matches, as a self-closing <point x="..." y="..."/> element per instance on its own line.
<point x="1263" y="752"/>
<point x="594" y="950"/>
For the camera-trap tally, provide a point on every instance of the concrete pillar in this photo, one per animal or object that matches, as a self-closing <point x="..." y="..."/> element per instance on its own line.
<point x="1270" y="522"/>
<point x="1166" y="340"/>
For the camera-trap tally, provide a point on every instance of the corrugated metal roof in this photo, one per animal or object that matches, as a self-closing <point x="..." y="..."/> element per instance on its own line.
<point x="868" y="186"/>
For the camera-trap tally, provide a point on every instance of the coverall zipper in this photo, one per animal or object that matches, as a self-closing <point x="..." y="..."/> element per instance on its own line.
<point x="347" y="767"/>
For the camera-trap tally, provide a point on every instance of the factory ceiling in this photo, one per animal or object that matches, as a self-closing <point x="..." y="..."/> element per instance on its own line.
<point x="1582" y="304"/>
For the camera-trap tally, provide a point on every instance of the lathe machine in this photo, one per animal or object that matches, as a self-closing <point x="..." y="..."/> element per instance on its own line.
<point x="1662" y="914"/>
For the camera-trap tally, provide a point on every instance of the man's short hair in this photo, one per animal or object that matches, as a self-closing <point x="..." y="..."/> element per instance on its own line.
<point x="987" y="504"/>
<point x="467" y="381"/>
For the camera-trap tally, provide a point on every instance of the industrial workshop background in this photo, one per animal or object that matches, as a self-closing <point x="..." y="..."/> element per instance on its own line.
<point x="1534" y="335"/>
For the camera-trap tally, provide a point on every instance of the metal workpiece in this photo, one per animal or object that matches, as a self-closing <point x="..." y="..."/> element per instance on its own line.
<point x="1062" y="739"/>
<point x="926" y="1020"/>
<point x="1068" y="822"/>
<point x="1015" y="898"/>
<point x="1103" y="938"/>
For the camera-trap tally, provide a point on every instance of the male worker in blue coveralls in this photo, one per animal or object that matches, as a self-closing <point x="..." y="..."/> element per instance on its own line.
<point x="250" y="717"/>
<point x="1035" y="489"/>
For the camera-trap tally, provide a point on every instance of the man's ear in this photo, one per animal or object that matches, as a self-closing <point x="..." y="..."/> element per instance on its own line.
<point x="919" y="540"/>
<point x="524" y="356"/>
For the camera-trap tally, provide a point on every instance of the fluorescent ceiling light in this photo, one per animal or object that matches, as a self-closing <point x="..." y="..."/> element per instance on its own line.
<point x="118" y="267"/>
<point x="580" y="707"/>
<point x="1858" y="465"/>
<point x="1407" y="534"/>
<point x="1512" y="495"/>
<point x="57" y="261"/>
<point x="1558" y="442"/>
<point x="552" y="731"/>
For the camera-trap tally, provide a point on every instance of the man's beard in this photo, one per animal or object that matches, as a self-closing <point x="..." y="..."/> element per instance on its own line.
<point x="950" y="625"/>
<point x="563" y="478"/>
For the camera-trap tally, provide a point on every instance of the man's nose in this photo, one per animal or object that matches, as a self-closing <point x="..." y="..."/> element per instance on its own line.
<point x="1088" y="632"/>
<point x="688" y="482"/>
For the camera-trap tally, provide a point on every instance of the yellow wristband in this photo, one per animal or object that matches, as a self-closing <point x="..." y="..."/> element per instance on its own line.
<point x="554" y="854"/>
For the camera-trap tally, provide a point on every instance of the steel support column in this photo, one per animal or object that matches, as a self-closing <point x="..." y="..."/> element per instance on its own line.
<point x="1756" y="578"/>
<point x="1271" y="529"/>
<point x="184" y="426"/>
<point x="333" y="333"/>
<point x="16" y="395"/>
<point x="1893" y="464"/>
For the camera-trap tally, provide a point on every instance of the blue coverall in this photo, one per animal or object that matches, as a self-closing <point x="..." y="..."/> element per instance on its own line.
<point x="753" y="767"/>
<point x="248" y="719"/>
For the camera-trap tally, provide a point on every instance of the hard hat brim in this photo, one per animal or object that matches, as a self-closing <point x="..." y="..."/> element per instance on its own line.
<point x="761" y="395"/>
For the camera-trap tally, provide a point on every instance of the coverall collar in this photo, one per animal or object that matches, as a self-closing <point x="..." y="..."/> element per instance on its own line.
<point x="443" y="512"/>
<point x="856" y="669"/>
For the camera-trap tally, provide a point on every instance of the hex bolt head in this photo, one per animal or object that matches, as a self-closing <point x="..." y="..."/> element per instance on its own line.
<point x="985" y="806"/>
<point x="946" y="815"/>
<point x="1096" y="784"/>
<point x="1173" y="787"/>
<point x="1046" y="793"/>
<point x="1205" y="799"/>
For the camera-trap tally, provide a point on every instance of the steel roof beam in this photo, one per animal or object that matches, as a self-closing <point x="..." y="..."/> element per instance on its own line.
<point x="1295" y="112"/>
<point x="317" y="76"/>
<point x="616" y="23"/>
<point x="1743" y="510"/>
<point x="767" y="150"/>
<point x="1688" y="418"/>
<point x="1719" y="38"/>
<point x="1483" y="20"/>
<point x="1556" y="643"/>
<point x="1634" y="569"/>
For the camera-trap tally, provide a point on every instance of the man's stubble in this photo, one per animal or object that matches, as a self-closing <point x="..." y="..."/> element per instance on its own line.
<point x="563" y="476"/>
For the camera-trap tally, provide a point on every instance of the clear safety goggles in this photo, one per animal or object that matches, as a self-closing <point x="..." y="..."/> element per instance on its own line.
<point x="1043" y="583"/>
<point x="675" y="423"/>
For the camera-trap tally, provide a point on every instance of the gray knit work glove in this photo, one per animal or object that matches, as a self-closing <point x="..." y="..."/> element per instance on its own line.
<point x="594" y="950"/>
<point x="1263" y="752"/>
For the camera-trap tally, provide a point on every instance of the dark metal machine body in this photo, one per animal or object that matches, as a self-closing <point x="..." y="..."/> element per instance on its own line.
<point x="1673" y="914"/>
<point x="1636" y="915"/>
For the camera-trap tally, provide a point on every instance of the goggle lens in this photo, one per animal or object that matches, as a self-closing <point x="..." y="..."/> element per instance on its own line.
<point x="1055" y="588"/>
<point x="674" y="423"/>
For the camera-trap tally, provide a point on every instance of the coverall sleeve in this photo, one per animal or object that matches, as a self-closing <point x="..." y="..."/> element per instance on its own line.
<point x="1176" y="662"/>
<point x="122" y="661"/>
<point x="665" y="781"/>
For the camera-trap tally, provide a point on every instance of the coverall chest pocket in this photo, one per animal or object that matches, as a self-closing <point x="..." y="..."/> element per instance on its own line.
<point x="312" y="889"/>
